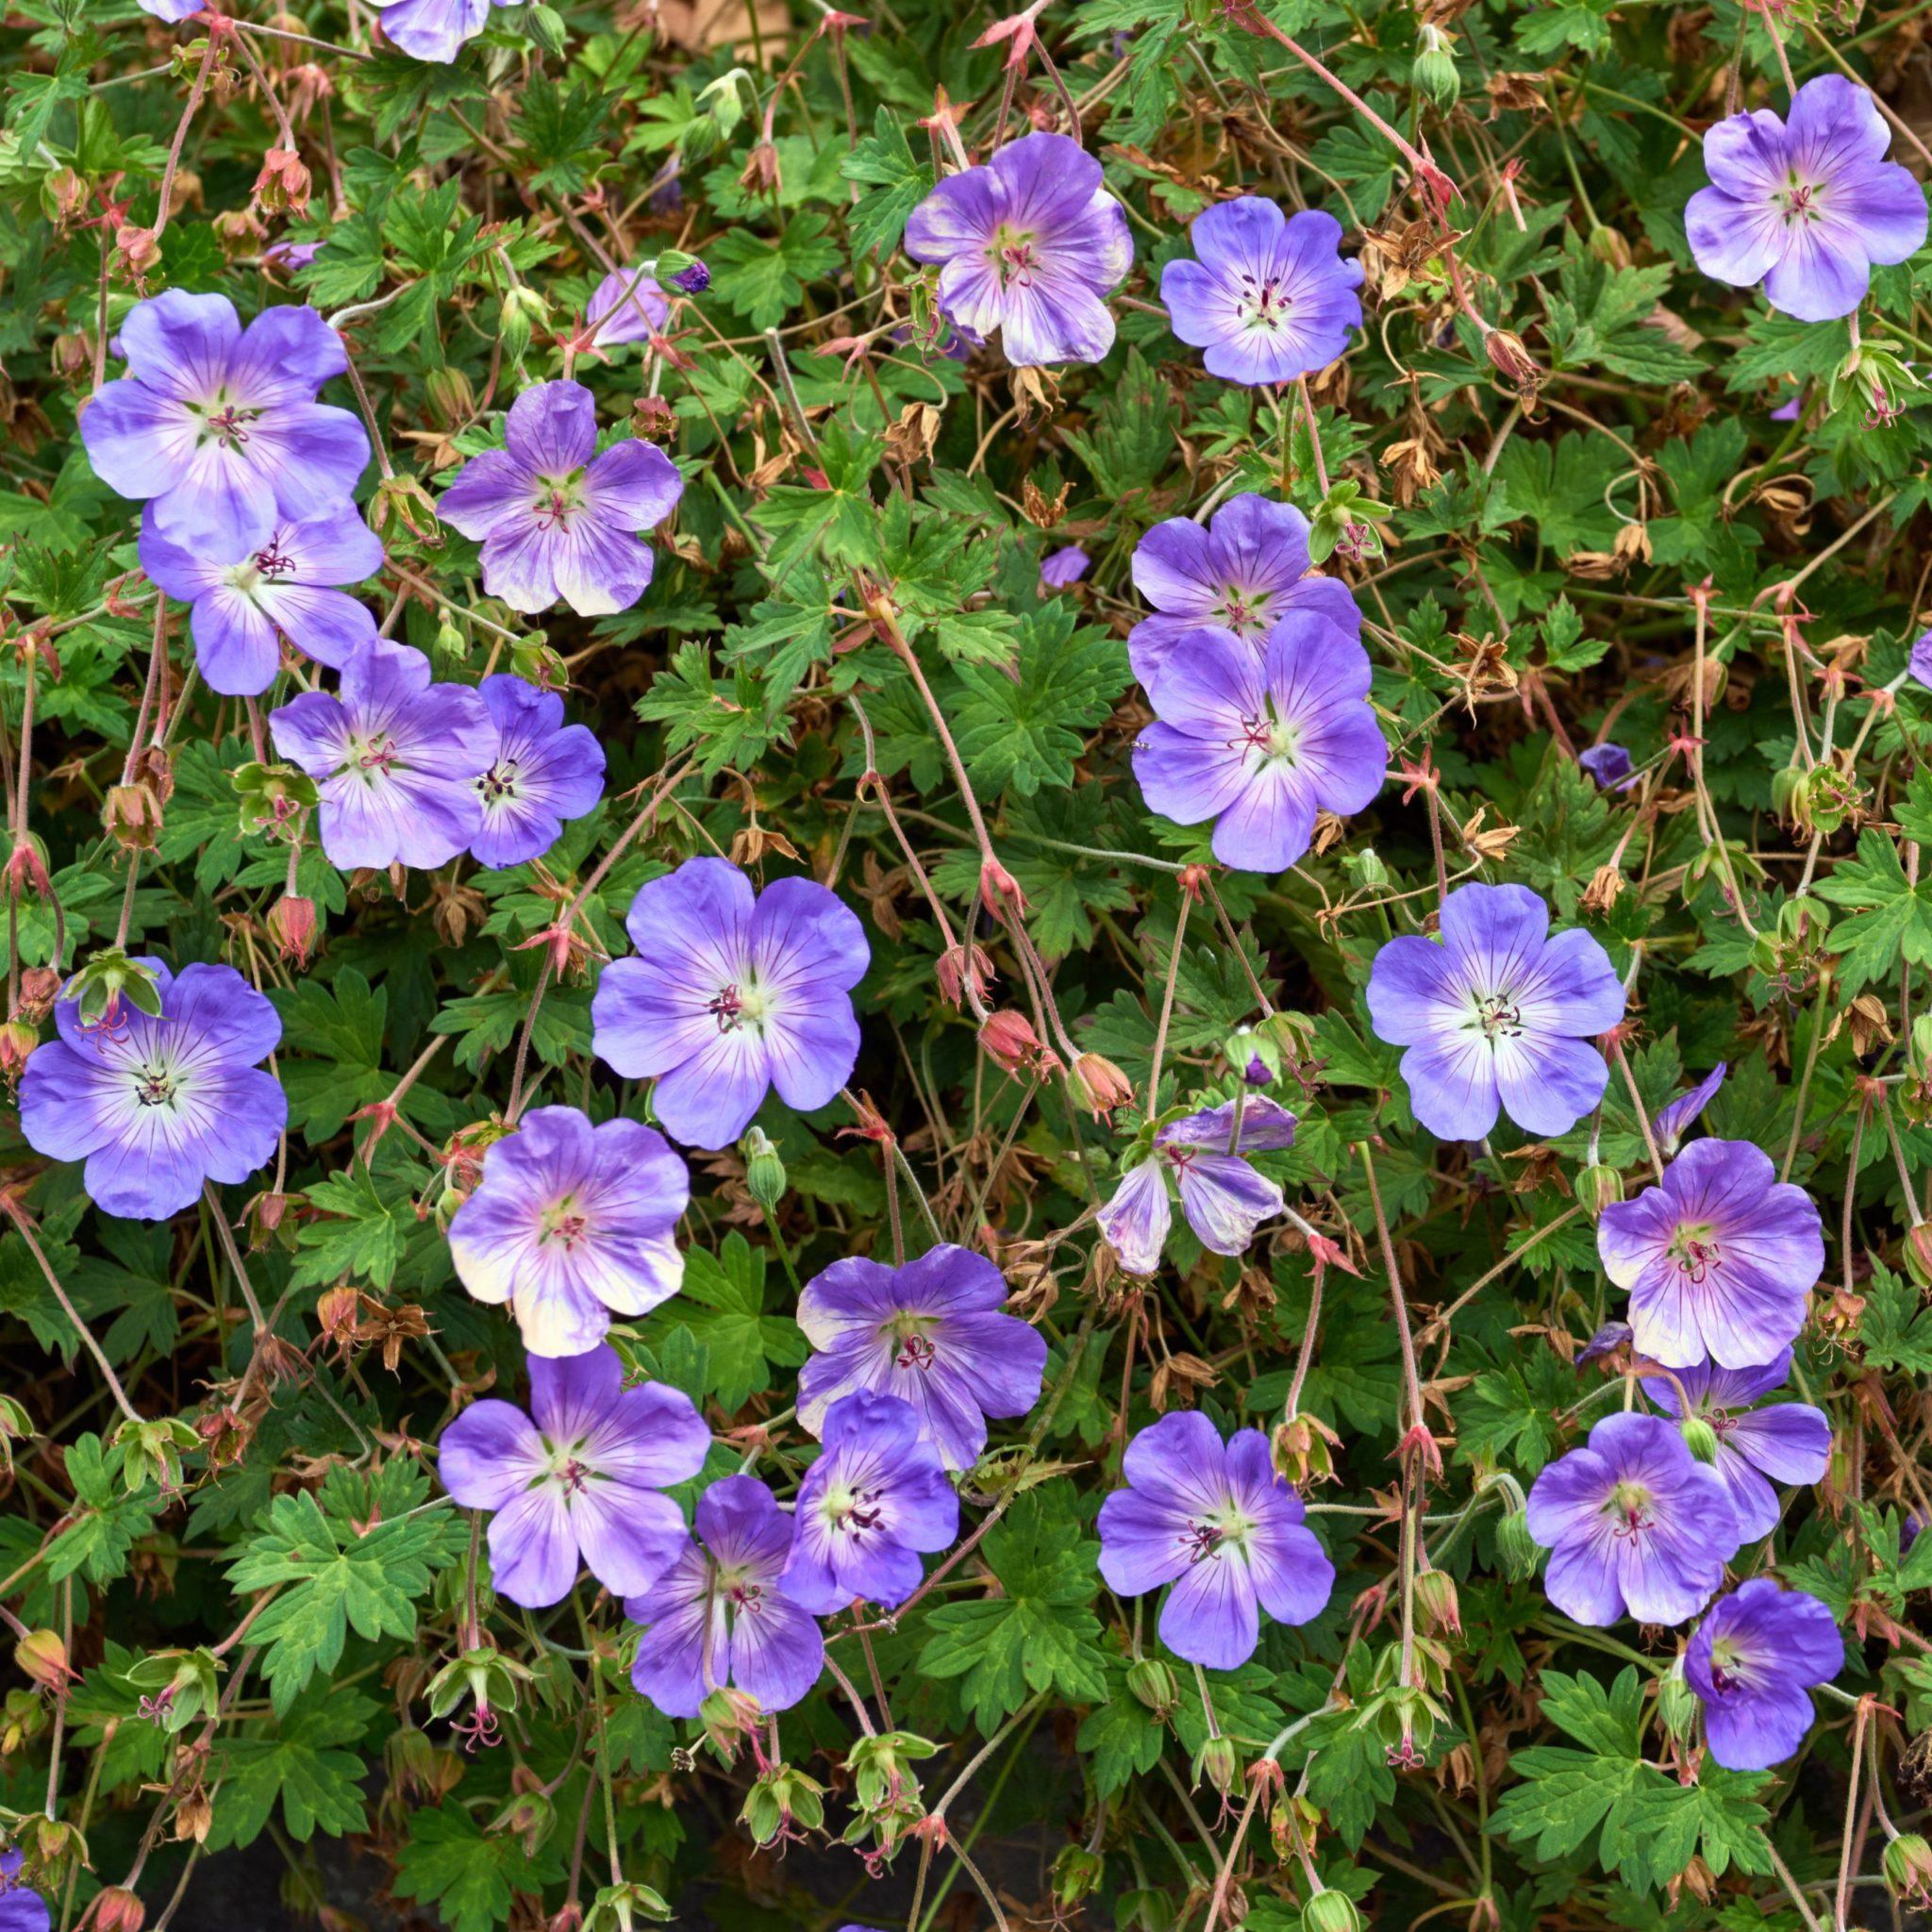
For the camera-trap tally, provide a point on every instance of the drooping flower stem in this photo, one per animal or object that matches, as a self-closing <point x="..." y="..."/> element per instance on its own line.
<point x="195" y="96"/>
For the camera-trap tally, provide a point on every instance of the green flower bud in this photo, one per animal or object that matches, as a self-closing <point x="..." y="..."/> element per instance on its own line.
<point x="1908" y="1870"/>
<point x="1517" y="1551"/>
<point x="1218" y="1764"/>
<point x="1077" y="1876"/>
<point x="1152" y="1682"/>
<point x="764" y="1171"/>
<point x="1433" y="69"/>
<point x="1599" y="1187"/>
<point x="1677" y="1705"/>
<point x="1331" y="1912"/>
<point x="108" y="979"/>
<point x="1699" y="1438"/>
<point x="548" y="29"/>
<point x="523" y="310"/>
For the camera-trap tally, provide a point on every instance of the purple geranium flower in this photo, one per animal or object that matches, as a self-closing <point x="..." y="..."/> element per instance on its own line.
<point x="1753" y="1662"/>
<point x="1222" y="1197"/>
<point x="931" y="1333"/>
<point x="1719" y="1260"/>
<point x="21" y="1910"/>
<point x="1065" y="566"/>
<point x="732" y="993"/>
<point x="874" y="1500"/>
<point x="1636" y="1524"/>
<point x="1920" y="664"/>
<point x="395" y="756"/>
<point x="718" y="1615"/>
<point x="1806" y="207"/>
<point x="579" y="1475"/>
<point x="1259" y="743"/>
<point x="218" y="429"/>
<point x="434" y="29"/>
<point x="1029" y="244"/>
<point x="1608" y="765"/>
<point x="545" y="773"/>
<point x="156" y="1104"/>
<point x="1270" y="297"/>
<point x="1215" y="1521"/>
<point x="1499" y="1016"/>
<point x="570" y="1225"/>
<point x="1671" y="1123"/>
<point x="1242" y="572"/>
<point x="626" y="306"/>
<point x="171" y="10"/>
<point x="1787" y="1442"/>
<point x="555" y="518"/>
<point x="286" y="589"/>
<point x="291" y="255"/>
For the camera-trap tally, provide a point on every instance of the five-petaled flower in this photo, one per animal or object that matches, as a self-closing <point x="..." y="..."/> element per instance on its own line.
<point x="544" y="774"/>
<point x="436" y="31"/>
<point x="158" y="1104"/>
<point x="1498" y="1016"/>
<point x="1753" y="1662"/>
<point x="1216" y="1521"/>
<point x="732" y="993"/>
<point x="580" y="1476"/>
<point x="555" y="518"/>
<point x="932" y="1333"/>
<point x="572" y="1224"/>
<point x="718" y="1616"/>
<point x="1029" y="244"/>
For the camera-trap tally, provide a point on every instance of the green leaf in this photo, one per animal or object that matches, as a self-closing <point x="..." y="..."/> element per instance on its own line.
<point x="300" y="1762"/>
<point x="764" y="279"/>
<point x="448" y="1861"/>
<point x="1894" y="916"/>
<point x="723" y="1303"/>
<point x="370" y="1218"/>
<point x="1895" y="1329"/>
<point x="883" y="163"/>
<point x="106" y="1519"/>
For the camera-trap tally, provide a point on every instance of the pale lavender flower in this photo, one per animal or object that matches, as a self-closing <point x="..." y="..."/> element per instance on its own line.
<point x="1671" y="1123"/>
<point x="627" y="306"/>
<point x="732" y="993"/>
<point x="933" y="1333"/>
<point x="1636" y="1526"/>
<point x="1497" y="1016"/>
<point x="1920" y="664"/>
<point x="545" y="773"/>
<point x="158" y="1104"/>
<point x="1241" y="572"/>
<point x="288" y="589"/>
<point x="754" y="1638"/>
<point x="1270" y="298"/>
<point x="876" y="1498"/>
<point x="1216" y="1521"/>
<point x="1223" y="1198"/>
<point x="20" y="1909"/>
<point x="395" y="757"/>
<point x="1030" y="244"/>
<point x="1065" y="566"/>
<point x="1260" y="741"/>
<point x="434" y="30"/>
<point x="1806" y="207"/>
<point x="555" y="518"/>
<point x="570" y="1225"/>
<point x="1720" y="1259"/>
<point x="580" y="1476"/>
<point x="1781" y="1443"/>
<point x="1753" y="1663"/>
<point x="217" y="428"/>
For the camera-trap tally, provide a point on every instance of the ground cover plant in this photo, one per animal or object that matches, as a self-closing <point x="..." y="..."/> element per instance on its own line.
<point x="965" y="970"/>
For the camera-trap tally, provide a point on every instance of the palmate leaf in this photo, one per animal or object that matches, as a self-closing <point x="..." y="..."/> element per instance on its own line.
<point x="723" y="1303"/>
<point x="302" y="1761"/>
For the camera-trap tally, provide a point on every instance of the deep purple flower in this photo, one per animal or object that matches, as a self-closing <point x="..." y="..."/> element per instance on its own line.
<point x="1671" y="1123"/>
<point x="578" y="1476"/>
<point x="1029" y="244"/>
<point x="1065" y="566"/>
<point x="1260" y="741"/>
<point x="218" y="429"/>
<point x="1215" y="1521"/>
<point x="1720" y="1261"/>
<point x="572" y="1224"/>
<point x="874" y="1500"/>
<point x="1222" y="1197"/>
<point x="434" y="29"/>
<point x="1636" y="1526"/>
<point x="1271" y="296"/>
<point x="627" y="306"/>
<point x="1497" y="1016"/>
<point x="1753" y="1662"/>
<point x="693" y="278"/>
<point x="758" y="1640"/>
<point x="21" y="1910"/>
<point x="932" y="1333"/>
<point x="1806" y="207"/>
<point x="1243" y="572"/>
<point x="286" y="589"/>
<point x="1608" y="765"/>
<point x="1607" y="1340"/>
<point x="156" y="1106"/>
<point x="731" y="994"/>
<point x="395" y="756"/>
<point x="1787" y="1442"/>
<point x="545" y="773"/>
<point x="555" y="518"/>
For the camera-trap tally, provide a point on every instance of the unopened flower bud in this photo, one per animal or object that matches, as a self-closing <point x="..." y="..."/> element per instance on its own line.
<point x="654" y="419"/>
<point x="1331" y="1912"/>
<point x="116" y="1909"/>
<point x="1433" y="69"/>
<point x="40" y="987"/>
<point x="1677" y="1705"/>
<point x="1097" y="1085"/>
<point x="523" y="310"/>
<point x="1438" y="1604"/>
<point x="452" y="396"/>
<point x="1152" y="1682"/>
<point x="1077" y="1876"/>
<point x="139" y="248"/>
<point x="17" y="1042"/>
<point x="1699" y="1438"/>
<point x="1908" y="1870"/>
<point x="1010" y="1040"/>
<point x="1217" y="1763"/>
<point x="678" y="270"/>
<point x="1918" y="1252"/>
<point x="282" y="186"/>
<point x="1512" y="361"/>
<point x="265" y="1214"/>
<point x="292" y="923"/>
<point x="764" y="1170"/>
<point x="1517" y="1550"/>
<point x="337" y="1311"/>
<point x="132" y="815"/>
<point x="42" y="1659"/>
<point x="1599" y="1187"/>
